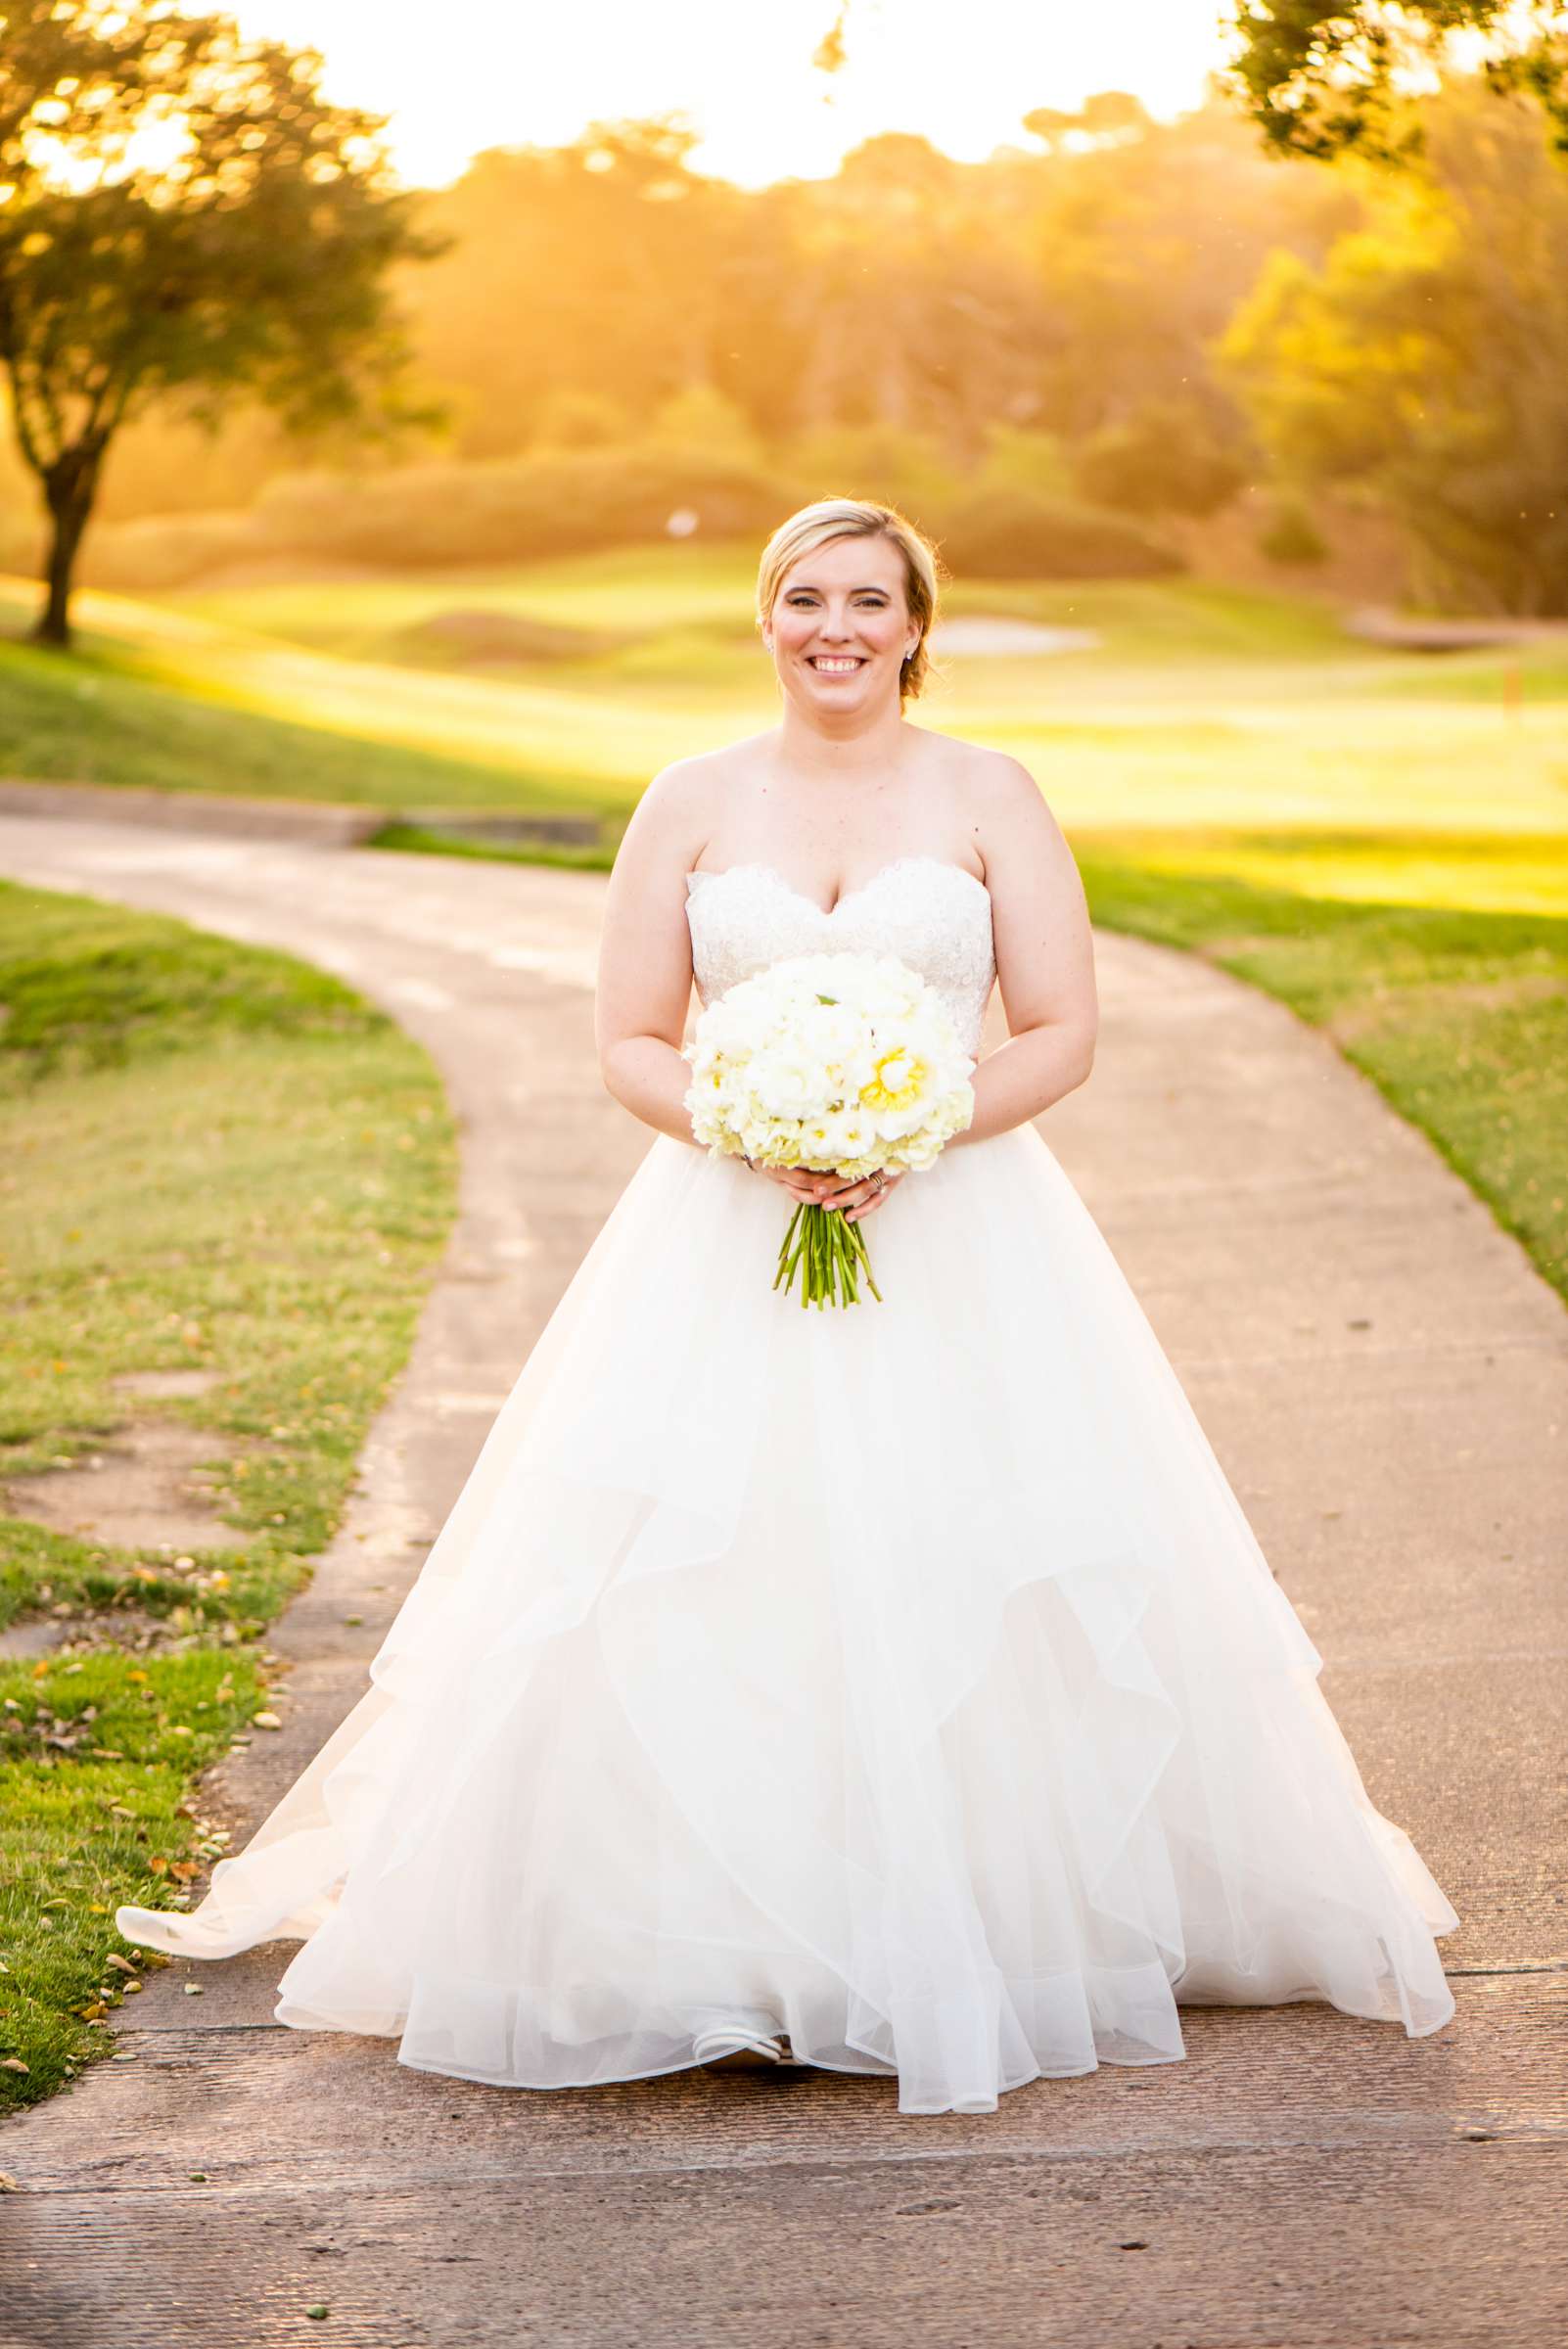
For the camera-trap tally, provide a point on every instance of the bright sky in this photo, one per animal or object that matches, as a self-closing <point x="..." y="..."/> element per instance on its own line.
<point x="474" y="74"/>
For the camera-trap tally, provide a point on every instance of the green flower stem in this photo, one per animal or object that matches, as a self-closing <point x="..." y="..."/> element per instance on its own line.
<point x="789" y="1256"/>
<point x="830" y="1254"/>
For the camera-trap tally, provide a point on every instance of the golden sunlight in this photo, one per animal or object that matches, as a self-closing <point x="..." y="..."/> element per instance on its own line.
<point x="744" y="78"/>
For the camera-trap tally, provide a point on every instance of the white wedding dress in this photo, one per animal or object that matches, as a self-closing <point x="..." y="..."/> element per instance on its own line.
<point x="904" y="1677"/>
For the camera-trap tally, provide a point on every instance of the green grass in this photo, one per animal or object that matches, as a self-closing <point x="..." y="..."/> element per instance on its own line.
<point x="214" y="1159"/>
<point x="90" y="719"/>
<point x="97" y="1756"/>
<point x="1200" y="705"/>
<point x="627" y="590"/>
<point x="1482" y="872"/>
<point x="1459" y="1016"/>
<point x="423" y="840"/>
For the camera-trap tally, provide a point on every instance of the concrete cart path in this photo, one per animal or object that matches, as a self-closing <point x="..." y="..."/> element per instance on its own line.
<point x="1386" y="1383"/>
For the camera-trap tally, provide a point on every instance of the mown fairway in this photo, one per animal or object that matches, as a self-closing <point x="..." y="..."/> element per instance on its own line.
<point x="1201" y="705"/>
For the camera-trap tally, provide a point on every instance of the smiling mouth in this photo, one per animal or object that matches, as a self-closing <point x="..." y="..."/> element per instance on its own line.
<point x="835" y="665"/>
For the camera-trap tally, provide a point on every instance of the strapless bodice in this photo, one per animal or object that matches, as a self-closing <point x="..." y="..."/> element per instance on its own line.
<point x="932" y="914"/>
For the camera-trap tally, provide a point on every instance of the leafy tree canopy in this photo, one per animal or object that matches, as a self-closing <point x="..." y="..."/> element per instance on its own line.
<point x="1324" y="76"/>
<point x="181" y="214"/>
<point x="1421" y="366"/>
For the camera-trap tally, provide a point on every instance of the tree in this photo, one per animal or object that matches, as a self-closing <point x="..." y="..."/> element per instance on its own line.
<point x="1324" y="76"/>
<point x="1108" y="118"/>
<point x="1424" y="366"/>
<point x="601" y="267"/>
<point x="182" y="217"/>
<point x="1140" y="249"/>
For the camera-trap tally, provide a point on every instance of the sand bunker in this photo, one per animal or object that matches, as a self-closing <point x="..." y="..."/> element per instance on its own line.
<point x="993" y="639"/>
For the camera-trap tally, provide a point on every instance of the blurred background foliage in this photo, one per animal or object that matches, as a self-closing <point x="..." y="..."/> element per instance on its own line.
<point x="1120" y="348"/>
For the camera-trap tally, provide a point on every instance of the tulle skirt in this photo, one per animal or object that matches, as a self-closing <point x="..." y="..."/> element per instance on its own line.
<point x="904" y="1677"/>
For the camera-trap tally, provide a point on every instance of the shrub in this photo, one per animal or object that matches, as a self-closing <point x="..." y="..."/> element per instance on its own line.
<point x="569" y="419"/>
<point x="565" y="501"/>
<point x="1020" y="459"/>
<point x="166" y="550"/>
<point x="881" y="462"/>
<point x="1290" y="535"/>
<point x="702" y="417"/>
<point x="1002" y="535"/>
<point x="1162" y="459"/>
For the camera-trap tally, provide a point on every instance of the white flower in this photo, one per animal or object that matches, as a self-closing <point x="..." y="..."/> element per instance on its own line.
<point x="843" y="1060"/>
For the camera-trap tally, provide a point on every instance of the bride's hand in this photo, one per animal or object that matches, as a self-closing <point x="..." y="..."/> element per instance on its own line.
<point x="800" y="1182"/>
<point x="818" y="1187"/>
<point x="857" y="1200"/>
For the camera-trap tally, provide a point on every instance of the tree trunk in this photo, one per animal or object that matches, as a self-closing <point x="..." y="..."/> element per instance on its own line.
<point x="69" y="489"/>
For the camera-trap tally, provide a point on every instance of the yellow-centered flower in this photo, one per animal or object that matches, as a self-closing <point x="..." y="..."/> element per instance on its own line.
<point x="899" y="1081"/>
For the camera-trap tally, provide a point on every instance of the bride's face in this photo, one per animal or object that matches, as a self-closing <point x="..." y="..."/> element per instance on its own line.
<point x="840" y="627"/>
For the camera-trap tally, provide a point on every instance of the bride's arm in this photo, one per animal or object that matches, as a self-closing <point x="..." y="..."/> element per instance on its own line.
<point x="645" y="974"/>
<point x="1044" y="958"/>
<point x="644" y="977"/>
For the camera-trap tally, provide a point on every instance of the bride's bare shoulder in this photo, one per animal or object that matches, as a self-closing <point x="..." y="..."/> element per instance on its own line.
<point x="991" y="788"/>
<point x="682" y="801"/>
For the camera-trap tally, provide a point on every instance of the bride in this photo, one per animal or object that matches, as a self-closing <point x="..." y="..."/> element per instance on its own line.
<point x="900" y="1685"/>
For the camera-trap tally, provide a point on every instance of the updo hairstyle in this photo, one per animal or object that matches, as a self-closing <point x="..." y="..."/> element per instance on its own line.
<point x="829" y="518"/>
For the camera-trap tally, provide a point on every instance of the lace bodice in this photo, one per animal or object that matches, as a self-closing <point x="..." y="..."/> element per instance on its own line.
<point x="932" y="914"/>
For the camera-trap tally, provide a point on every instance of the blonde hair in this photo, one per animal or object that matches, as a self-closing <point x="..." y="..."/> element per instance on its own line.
<point x="858" y="518"/>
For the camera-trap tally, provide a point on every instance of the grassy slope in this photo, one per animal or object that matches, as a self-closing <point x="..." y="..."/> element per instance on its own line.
<point x="1202" y="705"/>
<point x="89" y="720"/>
<point x="214" y="1158"/>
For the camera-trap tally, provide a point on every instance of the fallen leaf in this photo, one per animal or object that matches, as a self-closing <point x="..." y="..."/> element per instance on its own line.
<point x="14" y="2064"/>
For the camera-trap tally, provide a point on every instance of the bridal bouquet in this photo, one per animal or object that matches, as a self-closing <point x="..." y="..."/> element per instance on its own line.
<point x="840" y="1063"/>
